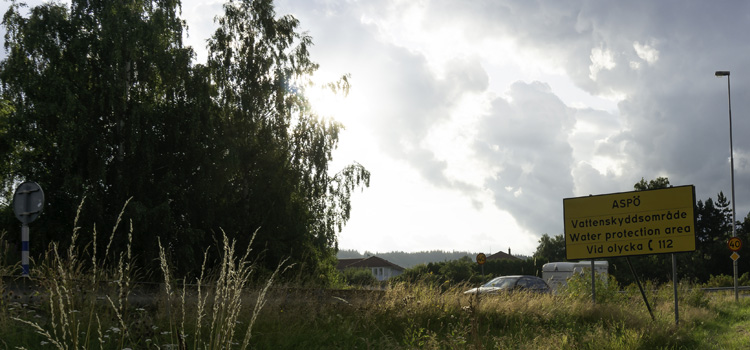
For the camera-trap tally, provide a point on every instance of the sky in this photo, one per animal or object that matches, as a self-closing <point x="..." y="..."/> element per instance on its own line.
<point x="477" y="118"/>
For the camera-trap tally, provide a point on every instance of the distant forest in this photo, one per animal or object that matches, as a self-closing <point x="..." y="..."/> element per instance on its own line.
<point x="407" y="260"/>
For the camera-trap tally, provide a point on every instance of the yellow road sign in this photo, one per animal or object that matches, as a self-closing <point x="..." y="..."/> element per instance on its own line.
<point x="734" y="244"/>
<point x="630" y="223"/>
<point x="481" y="258"/>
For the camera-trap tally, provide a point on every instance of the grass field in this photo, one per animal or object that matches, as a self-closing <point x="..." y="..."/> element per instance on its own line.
<point x="96" y="303"/>
<point x="402" y="317"/>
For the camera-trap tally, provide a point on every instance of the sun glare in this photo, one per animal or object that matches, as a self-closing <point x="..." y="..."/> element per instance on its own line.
<point x="327" y="103"/>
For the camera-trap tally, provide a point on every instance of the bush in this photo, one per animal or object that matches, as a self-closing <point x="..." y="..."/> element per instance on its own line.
<point x="359" y="277"/>
<point x="579" y="287"/>
<point x="727" y="281"/>
<point x="457" y="271"/>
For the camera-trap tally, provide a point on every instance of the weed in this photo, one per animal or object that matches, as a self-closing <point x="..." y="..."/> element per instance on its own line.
<point x="94" y="302"/>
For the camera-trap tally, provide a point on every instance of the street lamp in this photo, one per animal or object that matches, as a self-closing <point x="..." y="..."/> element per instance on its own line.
<point x="725" y="73"/>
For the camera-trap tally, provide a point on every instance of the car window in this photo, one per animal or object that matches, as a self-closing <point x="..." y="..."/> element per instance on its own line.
<point x="538" y="284"/>
<point x="524" y="283"/>
<point x="502" y="282"/>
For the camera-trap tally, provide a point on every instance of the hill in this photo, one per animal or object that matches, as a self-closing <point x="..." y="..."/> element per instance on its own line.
<point x="406" y="260"/>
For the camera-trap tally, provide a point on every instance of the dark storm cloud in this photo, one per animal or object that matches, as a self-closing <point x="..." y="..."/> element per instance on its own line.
<point x="658" y="56"/>
<point x="673" y="116"/>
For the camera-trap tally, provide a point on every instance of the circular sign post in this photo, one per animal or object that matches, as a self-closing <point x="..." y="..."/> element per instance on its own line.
<point x="481" y="259"/>
<point x="734" y="244"/>
<point x="28" y="202"/>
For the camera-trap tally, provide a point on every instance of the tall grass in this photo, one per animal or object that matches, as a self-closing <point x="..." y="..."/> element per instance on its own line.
<point x="87" y="302"/>
<point x="217" y="307"/>
<point x="429" y="316"/>
<point x="90" y="301"/>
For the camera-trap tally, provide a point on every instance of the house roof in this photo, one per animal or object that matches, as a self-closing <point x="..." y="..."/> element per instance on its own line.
<point x="368" y="262"/>
<point x="502" y="256"/>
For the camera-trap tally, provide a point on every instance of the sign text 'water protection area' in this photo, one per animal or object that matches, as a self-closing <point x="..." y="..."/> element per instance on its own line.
<point x="630" y="223"/>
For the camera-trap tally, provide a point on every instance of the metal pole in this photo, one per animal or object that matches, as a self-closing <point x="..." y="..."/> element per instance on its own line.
<point x="25" y="250"/>
<point x="593" y="282"/>
<point x="731" y="162"/>
<point x="674" y="282"/>
<point x="640" y="287"/>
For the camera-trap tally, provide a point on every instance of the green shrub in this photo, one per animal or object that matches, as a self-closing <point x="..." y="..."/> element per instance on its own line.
<point x="719" y="281"/>
<point x="359" y="277"/>
<point x="727" y="281"/>
<point x="579" y="287"/>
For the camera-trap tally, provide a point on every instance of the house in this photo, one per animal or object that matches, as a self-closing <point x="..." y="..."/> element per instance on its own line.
<point x="502" y="256"/>
<point x="382" y="269"/>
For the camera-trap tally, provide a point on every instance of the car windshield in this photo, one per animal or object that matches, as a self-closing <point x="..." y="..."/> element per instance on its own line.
<point x="502" y="282"/>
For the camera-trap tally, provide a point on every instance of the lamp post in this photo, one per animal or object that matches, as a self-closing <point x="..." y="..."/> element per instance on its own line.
<point x="725" y="73"/>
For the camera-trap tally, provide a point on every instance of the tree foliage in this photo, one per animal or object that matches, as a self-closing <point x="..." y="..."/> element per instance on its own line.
<point x="551" y="248"/>
<point x="659" y="182"/>
<point x="463" y="270"/>
<point x="359" y="277"/>
<point x="104" y="101"/>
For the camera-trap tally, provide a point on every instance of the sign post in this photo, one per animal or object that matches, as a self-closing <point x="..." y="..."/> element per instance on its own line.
<point x="28" y="202"/>
<point x="481" y="259"/>
<point x="631" y="223"/>
<point x="735" y="244"/>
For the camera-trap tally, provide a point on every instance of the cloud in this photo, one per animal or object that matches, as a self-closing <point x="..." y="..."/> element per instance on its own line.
<point x="646" y="52"/>
<point x="525" y="137"/>
<point x="536" y="149"/>
<point x="658" y="59"/>
<point x="464" y="93"/>
<point x="600" y="59"/>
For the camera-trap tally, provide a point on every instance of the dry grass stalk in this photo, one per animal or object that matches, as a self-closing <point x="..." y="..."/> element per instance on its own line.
<point x="260" y="302"/>
<point x="93" y="258"/>
<point x="233" y="276"/>
<point x="219" y="302"/>
<point x="114" y="229"/>
<point x="99" y="330"/>
<point x="201" y="303"/>
<point x="59" y="275"/>
<point x="227" y="292"/>
<point x="64" y="325"/>
<point x="167" y="283"/>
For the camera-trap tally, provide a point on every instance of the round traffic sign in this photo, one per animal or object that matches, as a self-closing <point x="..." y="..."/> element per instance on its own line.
<point x="734" y="244"/>
<point x="481" y="258"/>
<point x="28" y="201"/>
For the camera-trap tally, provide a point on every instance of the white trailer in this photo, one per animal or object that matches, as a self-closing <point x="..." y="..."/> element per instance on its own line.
<point x="556" y="274"/>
